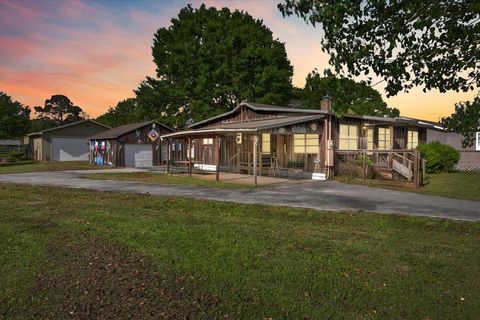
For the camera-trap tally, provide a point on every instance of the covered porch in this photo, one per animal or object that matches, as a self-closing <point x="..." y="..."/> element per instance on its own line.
<point x="282" y="147"/>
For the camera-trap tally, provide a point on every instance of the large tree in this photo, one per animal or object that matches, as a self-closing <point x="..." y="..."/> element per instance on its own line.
<point x="465" y="120"/>
<point x="209" y="60"/>
<point x="348" y="96"/>
<point x="60" y="110"/>
<point x="433" y="44"/>
<point x="124" y="112"/>
<point x="14" y="117"/>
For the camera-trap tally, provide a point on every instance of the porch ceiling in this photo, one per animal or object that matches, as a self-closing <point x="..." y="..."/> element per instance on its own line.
<point x="249" y="126"/>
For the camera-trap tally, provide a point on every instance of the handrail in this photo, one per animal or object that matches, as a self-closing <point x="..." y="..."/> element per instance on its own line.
<point x="234" y="156"/>
<point x="402" y="157"/>
<point x="375" y="151"/>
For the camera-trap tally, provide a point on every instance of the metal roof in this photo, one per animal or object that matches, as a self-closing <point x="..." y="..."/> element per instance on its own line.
<point x="10" y="142"/>
<point x="66" y="126"/>
<point x="400" y="120"/>
<point x="116" y="132"/>
<point x="259" y="107"/>
<point x="250" y="126"/>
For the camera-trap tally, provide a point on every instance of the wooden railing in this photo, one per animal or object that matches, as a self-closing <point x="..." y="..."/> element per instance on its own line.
<point x="240" y="161"/>
<point x="243" y="160"/>
<point x="406" y="163"/>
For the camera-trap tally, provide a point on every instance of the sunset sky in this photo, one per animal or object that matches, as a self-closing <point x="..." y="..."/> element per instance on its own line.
<point x="96" y="53"/>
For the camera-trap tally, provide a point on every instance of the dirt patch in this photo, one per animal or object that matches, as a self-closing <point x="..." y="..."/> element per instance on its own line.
<point x="86" y="278"/>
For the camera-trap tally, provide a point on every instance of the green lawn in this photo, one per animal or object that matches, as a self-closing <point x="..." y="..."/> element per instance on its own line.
<point x="32" y="166"/>
<point x="459" y="185"/>
<point x="161" y="178"/>
<point x="209" y="260"/>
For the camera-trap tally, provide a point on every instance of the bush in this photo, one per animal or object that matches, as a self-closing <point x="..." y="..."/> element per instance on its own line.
<point x="17" y="155"/>
<point x="439" y="157"/>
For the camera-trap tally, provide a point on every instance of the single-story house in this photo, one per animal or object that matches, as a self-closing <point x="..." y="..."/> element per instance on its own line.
<point x="8" y="145"/>
<point x="130" y="145"/>
<point x="67" y="142"/>
<point x="269" y="139"/>
<point x="469" y="156"/>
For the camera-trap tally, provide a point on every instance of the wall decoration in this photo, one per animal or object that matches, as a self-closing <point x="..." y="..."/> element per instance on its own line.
<point x="239" y="138"/>
<point x="313" y="126"/>
<point x="299" y="129"/>
<point x="281" y="130"/>
<point x="153" y="135"/>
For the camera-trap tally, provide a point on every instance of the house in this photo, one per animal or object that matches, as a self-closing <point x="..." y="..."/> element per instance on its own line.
<point x="9" y="145"/>
<point x="64" y="143"/>
<point x="130" y="145"/>
<point x="469" y="156"/>
<point x="300" y="142"/>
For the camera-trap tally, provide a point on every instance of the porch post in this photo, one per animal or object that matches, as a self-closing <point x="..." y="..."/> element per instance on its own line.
<point x="189" y="156"/>
<point x="168" y="156"/>
<point x="217" y="158"/>
<point x="255" y="143"/>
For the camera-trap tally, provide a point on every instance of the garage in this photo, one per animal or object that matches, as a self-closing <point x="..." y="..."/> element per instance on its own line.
<point x="68" y="142"/>
<point x="69" y="149"/>
<point x="138" y="155"/>
<point x="134" y="145"/>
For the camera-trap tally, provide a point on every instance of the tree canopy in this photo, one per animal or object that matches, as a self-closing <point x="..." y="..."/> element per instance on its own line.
<point x="14" y="117"/>
<point x="348" y="96"/>
<point x="60" y="110"/>
<point x="433" y="44"/>
<point x="209" y="60"/>
<point x="124" y="112"/>
<point x="465" y="120"/>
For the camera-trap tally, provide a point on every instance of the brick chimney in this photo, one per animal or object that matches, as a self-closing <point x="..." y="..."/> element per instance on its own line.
<point x="326" y="103"/>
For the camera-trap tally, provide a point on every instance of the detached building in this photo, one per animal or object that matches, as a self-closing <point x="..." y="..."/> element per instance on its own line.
<point x="130" y="145"/>
<point x="68" y="142"/>
<point x="9" y="145"/>
<point x="469" y="156"/>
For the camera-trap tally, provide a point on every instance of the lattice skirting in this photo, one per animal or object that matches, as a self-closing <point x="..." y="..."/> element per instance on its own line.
<point x="467" y="167"/>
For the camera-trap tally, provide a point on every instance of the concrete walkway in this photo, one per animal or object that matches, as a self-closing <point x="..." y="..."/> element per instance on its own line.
<point x="321" y="195"/>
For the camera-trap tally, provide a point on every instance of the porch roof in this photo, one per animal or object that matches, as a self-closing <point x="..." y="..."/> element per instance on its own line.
<point x="249" y="126"/>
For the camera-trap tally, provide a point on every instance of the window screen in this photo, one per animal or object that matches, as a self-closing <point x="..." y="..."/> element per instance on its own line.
<point x="348" y="137"/>
<point x="305" y="143"/>
<point x="265" y="142"/>
<point x="383" y="138"/>
<point x="412" y="140"/>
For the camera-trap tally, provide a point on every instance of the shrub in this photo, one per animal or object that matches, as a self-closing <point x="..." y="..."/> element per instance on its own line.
<point x="439" y="157"/>
<point x="17" y="155"/>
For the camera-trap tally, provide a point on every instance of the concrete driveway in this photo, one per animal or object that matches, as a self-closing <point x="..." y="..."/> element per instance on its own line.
<point x="320" y="195"/>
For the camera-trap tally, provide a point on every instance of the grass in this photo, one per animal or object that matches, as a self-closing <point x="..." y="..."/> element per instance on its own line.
<point x="458" y="185"/>
<point x="259" y="261"/>
<point x="161" y="178"/>
<point x="33" y="166"/>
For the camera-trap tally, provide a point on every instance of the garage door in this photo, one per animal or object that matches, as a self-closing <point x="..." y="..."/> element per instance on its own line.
<point x="69" y="149"/>
<point x="138" y="155"/>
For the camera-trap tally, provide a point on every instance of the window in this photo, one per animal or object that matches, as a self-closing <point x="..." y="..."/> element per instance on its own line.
<point x="412" y="140"/>
<point x="266" y="143"/>
<point x="383" y="138"/>
<point x="348" y="137"/>
<point x="370" y="138"/>
<point x="305" y="143"/>
<point x="207" y="141"/>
